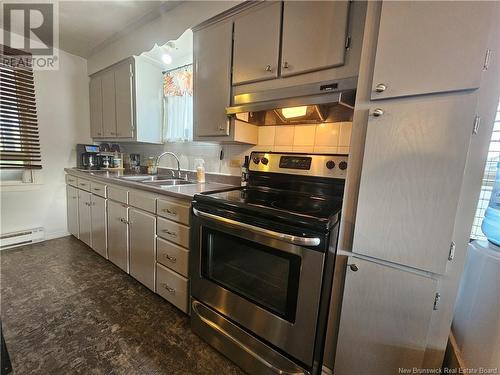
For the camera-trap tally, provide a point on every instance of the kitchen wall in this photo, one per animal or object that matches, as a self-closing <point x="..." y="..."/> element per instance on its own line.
<point x="63" y="116"/>
<point x="322" y="138"/>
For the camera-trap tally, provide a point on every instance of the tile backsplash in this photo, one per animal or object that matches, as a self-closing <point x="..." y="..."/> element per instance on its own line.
<point x="322" y="138"/>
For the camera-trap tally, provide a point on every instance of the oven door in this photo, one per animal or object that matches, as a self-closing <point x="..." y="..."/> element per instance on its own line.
<point x="268" y="282"/>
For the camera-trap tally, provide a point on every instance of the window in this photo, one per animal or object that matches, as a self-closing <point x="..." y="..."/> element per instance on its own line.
<point x="19" y="140"/>
<point x="490" y="172"/>
<point x="178" y="104"/>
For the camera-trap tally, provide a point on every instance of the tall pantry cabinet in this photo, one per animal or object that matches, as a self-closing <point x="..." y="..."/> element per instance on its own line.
<point x="421" y="117"/>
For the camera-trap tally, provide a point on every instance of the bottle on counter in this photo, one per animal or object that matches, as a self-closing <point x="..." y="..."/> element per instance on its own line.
<point x="244" y="171"/>
<point x="200" y="170"/>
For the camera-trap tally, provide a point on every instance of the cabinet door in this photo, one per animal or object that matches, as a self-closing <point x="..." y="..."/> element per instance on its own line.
<point x="212" y="79"/>
<point x="142" y="247"/>
<point x="118" y="234"/>
<point x="72" y="210"/>
<point x="98" y="216"/>
<point x="84" y="216"/>
<point x="413" y="165"/>
<point x="95" y="92"/>
<point x="124" y="106"/>
<point x="256" y="44"/>
<point x="384" y="320"/>
<point x="314" y="35"/>
<point x="108" y="104"/>
<point x="430" y="46"/>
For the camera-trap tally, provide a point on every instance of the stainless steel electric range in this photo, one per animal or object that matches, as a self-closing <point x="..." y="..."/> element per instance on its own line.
<point x="263" y="259"/>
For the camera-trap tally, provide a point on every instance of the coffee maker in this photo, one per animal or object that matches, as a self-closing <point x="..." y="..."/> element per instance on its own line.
<point x="87" y="156"/>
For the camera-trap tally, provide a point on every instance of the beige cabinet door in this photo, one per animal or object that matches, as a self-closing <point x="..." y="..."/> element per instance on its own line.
<point x="212" y="79"/>
<point x="413" y="165"/>
<point x="98" y="217"/>
<point x="142" y="229"/>
<point x="123" y="100"/>
<point x="314" y="35"/>
<point x="84" y="222"/>
<point x="72" y="210"/>
<point x="430" y="46"/>
<point x="384" y="320"/>
<point x="256" y="44"/>
<point x="95" y="93"/>
<point x="108" y="104"/>
<point x="118" y="234"/>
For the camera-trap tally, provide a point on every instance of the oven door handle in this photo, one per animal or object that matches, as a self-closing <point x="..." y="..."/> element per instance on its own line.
<point x="296" y="240"/>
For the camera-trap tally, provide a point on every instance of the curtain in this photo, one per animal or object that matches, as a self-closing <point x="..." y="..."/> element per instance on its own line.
<point x="178" y="104"/>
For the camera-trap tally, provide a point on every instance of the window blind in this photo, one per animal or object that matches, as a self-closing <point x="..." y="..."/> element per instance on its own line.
<point x="19" y="139"/>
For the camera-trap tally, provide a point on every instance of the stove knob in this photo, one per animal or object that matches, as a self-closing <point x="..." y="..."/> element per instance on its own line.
<point x="264" y="161"/>
<point x="256" y="160"/>
<point x="330" y="164"/>
<point x="343" y="165"/>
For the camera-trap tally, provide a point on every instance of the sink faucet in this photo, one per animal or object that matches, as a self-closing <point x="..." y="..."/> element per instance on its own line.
<point x="176" y="158"/>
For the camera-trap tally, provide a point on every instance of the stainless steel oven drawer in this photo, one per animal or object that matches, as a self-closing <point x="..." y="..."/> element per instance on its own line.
<point x="173" y="287"/>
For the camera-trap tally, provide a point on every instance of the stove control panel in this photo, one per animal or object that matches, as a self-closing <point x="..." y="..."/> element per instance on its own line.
<point x="316" y="165"/>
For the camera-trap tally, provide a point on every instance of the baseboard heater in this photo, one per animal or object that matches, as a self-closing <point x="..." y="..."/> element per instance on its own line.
<point x="20" y="238"/>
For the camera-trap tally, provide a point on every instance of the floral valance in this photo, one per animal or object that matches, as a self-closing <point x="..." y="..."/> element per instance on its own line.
<point x="178" y="82"/>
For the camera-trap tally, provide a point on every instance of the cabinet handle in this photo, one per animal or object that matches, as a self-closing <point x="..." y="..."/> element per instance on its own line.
<point x="171" y="258"/>
<point x="268" y="68"/>
<point x="166" y="210"/>
<point x="124" y="221"/>
<point x="96" y="189"/>
<point x="173" y="234"/>
<point x="99" y="133"/>
<point x="285" y="65"/>
<point x="222" y="127"/>
<point x="169" y="289"/>
<point x="378" y="112"/>
<point x="354" y="267"/>
<point x="380" y="87"/>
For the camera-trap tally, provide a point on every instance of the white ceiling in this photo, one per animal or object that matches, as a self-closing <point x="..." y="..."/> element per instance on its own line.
<point x="85" y="26"/>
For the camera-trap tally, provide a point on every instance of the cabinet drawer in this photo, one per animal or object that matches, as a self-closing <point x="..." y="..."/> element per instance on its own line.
<point x="98" y="189"/>
<point x="83" y="184"/>
<point x="172" y="286"/>
<point x="72" y="180"/>
<point x="174" y="210"/>
<point x="118" y="194"/>
<point x="142" y="200"/>
<point x="174" y="232"/>
<point x="172" y="256"/>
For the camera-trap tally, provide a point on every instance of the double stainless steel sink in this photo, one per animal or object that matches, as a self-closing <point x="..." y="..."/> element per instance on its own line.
<point x="158" y="180"/>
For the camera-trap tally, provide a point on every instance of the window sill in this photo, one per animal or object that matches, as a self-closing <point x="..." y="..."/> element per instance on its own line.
<point x="18" y="186"/>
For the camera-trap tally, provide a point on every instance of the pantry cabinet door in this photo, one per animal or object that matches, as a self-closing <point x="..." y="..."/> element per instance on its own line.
<point x="384" y="320"/>
<point x="413" y="166"/>
<point x="256" y="44"/>
<point x="142" y="247"/>
<point x="430" y="46"/>
<point x="95" y="92"/>
<point x="84" y="222"/>
<point x="314" y="35"/>
<point x="99" y="240"/>
<point x="108" y="104"/>
<point x="124" y="100"/>
<point x="118" y="234"/>
<point x="72" y="210"/>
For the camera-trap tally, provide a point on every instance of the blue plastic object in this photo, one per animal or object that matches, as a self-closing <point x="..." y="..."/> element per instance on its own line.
<point x="491" y="221"/>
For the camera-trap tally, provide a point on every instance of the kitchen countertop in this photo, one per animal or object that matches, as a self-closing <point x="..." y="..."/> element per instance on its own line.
<point x="181" y="191"/>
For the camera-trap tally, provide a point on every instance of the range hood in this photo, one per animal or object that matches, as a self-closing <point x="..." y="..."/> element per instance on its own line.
<point x="312" y="103"/>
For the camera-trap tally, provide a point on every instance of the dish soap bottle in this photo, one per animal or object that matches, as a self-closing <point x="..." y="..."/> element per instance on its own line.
<point x="200" y="170"/>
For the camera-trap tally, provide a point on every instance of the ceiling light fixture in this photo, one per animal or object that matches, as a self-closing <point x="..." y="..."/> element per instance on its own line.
<point x="166" y="58"/>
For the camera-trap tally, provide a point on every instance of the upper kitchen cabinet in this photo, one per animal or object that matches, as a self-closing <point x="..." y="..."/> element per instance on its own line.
<point x="427" y="47"/>
<point x="314" y="35"/>
<point x="257" y="43"/>
<point x="125" y="104"/>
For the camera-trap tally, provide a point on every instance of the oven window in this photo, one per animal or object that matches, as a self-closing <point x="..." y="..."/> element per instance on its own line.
<point x="260" y="274"/>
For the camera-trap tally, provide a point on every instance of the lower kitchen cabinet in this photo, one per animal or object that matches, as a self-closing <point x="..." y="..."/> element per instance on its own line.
<point x="118" y="234"/>
<point x="84" y="216"/>
<point x="173" y="287"/>
<point x="98" y="225"/>
<point x="72" y="208"/>
<point x="386" y="313"/>
<point x="142" y="234"/>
